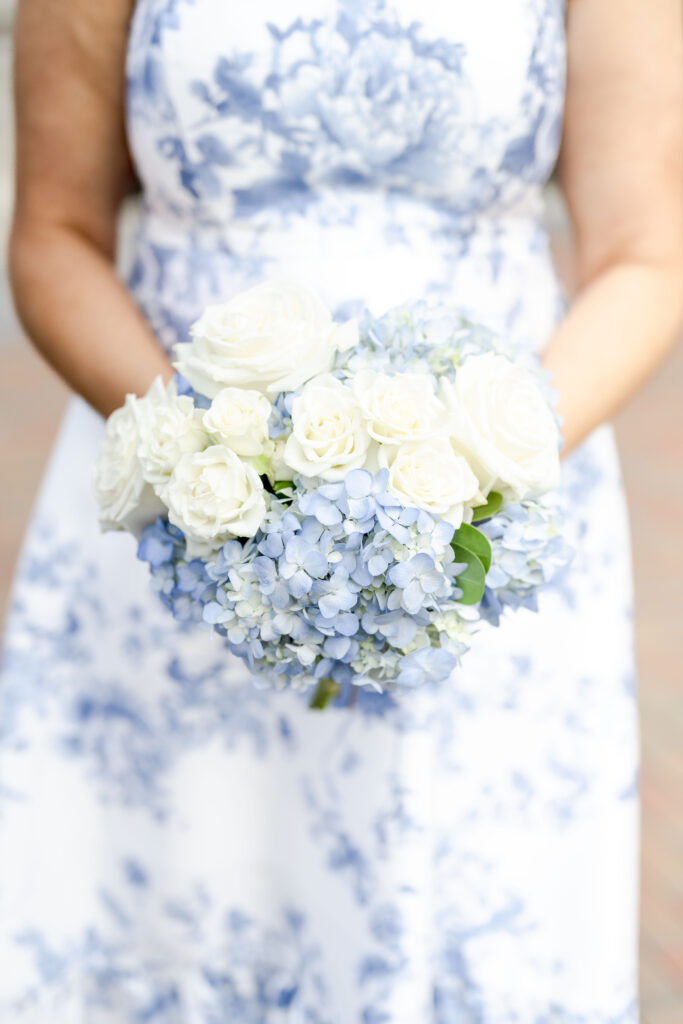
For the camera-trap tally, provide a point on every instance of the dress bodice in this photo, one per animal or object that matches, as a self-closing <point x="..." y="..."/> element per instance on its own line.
<point x="380" y="149"/>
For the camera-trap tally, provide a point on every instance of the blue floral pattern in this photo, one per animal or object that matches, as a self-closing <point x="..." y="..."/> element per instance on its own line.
<point x="179" y="845"/>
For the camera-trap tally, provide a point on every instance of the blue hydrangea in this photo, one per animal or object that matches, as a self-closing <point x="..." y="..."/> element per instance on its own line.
<point x="527" y="552"/>
<point x="426" y="665"/>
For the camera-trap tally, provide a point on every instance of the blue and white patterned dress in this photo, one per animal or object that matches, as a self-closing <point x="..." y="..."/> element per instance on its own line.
<point x="177" y="845"/>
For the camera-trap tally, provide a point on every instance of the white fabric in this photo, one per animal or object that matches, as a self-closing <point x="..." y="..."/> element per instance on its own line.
<point x="178" y="845"/>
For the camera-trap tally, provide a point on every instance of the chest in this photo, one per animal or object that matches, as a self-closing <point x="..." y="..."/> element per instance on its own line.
<point x="452" y="101"/>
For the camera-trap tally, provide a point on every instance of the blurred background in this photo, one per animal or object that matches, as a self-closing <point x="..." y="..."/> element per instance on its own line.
<point x="650" y="434"/>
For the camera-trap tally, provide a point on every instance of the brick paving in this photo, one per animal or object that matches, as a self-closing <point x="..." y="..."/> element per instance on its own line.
<point x="651" y="440"/>
<point x="650" y="433"/>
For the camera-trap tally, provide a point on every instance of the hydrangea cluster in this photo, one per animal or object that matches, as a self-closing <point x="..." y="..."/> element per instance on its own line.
<point x="419" y="336"/>
<point x="528" y="550"/>
<point x="344" y="503"/>
<point x="342" y="583"/>
<point x="435" y="339"/>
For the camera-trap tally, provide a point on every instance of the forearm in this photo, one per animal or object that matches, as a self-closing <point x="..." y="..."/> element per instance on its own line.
<point x="81" y="317"/>
<point x="618" y="329"/>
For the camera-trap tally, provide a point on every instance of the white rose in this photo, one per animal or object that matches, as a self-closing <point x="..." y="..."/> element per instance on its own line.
<point x="169" y="426"/>
<point x="213" y="496"/>
<point x="272" y="337"/>
<point x="328" y="436"/>
<point x="278" y="467"/>
<point x="499" y="419"/>
<point x="239" y="420"/>
<point x="399" y="408"/>
<point x="429" y="475"/>
<point x="126" y="500"/>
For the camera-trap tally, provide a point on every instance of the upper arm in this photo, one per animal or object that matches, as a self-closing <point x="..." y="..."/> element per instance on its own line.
<point x="621" y="165"/>
<point x="71" y="155"/>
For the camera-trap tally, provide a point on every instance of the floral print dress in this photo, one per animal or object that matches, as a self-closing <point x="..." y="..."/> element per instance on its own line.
<point x="180" y="845"/>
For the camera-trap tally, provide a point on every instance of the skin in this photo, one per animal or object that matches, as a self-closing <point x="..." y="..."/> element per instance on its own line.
<point x="72" y="172"/>
<point x="621" y="170"/>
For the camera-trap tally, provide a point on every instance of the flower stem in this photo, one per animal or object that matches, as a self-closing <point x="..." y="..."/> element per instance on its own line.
<point x="324" y="692"/>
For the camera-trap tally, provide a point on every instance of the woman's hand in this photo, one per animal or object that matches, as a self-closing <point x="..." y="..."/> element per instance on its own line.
<point x="621" y="169"/>
<point x="71" y="174"/>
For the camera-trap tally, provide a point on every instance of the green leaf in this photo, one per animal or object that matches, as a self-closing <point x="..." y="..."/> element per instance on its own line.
<point x="493" y="505"/>
<point x="282" y="485"/>
<point x="472" y="539"/>
<point x="473" y="579"/>
<point x="473" y="548"/>
<point x="325" y="691"/>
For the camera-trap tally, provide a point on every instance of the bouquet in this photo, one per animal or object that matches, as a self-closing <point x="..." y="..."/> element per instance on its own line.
<point x="344" y="503"/>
